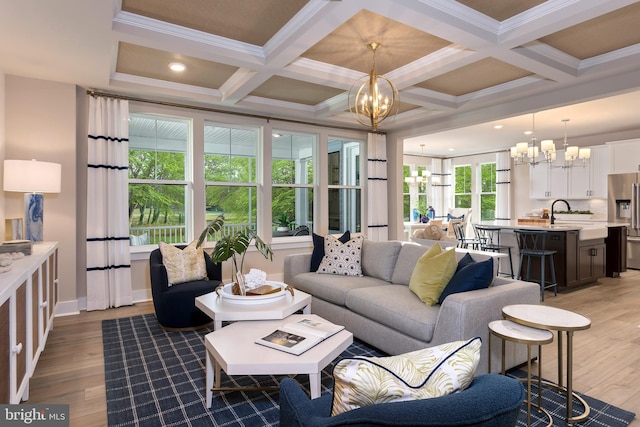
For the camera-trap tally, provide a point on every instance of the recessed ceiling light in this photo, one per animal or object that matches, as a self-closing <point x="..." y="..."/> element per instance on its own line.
<point x="177" y="66"/>
<point x="452" y="149"/>
<point x="528" y="132"/>
<point x="497" y="127"/>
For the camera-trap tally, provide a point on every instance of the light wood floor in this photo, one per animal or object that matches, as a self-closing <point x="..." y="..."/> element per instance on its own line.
<point x="606" y="356"/>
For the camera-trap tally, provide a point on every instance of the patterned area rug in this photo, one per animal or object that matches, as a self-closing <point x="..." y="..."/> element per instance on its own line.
<point x="156" y="378"/>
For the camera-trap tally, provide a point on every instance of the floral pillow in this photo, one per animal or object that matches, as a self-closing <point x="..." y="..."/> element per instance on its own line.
<point x="342" y="258"/>
<point x="430" y="372"/>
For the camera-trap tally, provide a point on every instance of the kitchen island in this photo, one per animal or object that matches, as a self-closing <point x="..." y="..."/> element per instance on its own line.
<point x="581" y="250"/>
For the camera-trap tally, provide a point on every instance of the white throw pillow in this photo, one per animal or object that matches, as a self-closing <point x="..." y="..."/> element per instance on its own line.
<point x="342" y="258"/>
<point x="430" y="372"/>
<point x="183" y="265"/>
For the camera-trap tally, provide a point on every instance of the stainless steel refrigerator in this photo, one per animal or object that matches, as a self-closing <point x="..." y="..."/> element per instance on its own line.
<point x="624" y="207"/>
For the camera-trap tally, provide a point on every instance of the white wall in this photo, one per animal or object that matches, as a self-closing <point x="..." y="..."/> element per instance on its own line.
<point x="40" y="119"/>
<point x="2" y="144"/>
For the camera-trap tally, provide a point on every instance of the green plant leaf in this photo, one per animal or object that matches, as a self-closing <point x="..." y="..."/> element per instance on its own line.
<point x="211" y="229"/>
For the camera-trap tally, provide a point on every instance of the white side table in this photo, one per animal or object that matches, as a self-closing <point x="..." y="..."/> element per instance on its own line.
<point x="510" y="331"/>
<point x="555" y="319"/>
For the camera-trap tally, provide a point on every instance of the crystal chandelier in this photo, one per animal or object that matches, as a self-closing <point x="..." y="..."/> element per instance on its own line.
<point x="373" y="98"/>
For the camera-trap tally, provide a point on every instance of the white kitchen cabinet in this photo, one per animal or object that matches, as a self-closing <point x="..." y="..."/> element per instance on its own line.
<point x="27" y="302"/>
<point x="590" y="181"/>
<point x="549" y="182"/>
<point x="624" y="156"/>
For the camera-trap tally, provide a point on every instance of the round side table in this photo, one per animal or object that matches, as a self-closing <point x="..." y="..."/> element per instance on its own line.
<point x="514" y="332"/>
<point x="555" y="319"/>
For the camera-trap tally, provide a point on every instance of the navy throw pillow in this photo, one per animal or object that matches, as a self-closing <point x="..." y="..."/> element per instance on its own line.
<point x="477" y="275"/>
<point x="318" y="248"/>
<point x="450" y="217"/>
<point x="466" y="260"/>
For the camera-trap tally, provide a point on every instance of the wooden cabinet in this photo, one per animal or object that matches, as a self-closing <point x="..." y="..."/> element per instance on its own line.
<point x="624" y="156"/>
<point x="591" y="260"/>
<point x="616" y="251"/>
<point x="590" y="181"/>
<point x="26" y="315"/>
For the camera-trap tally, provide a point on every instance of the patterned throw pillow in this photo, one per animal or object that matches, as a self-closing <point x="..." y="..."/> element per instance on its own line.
<point x="342" y="258"/>
<point x="430" y="372"/>
<point x="183" y="265"/>
<point x="432" y="272"/>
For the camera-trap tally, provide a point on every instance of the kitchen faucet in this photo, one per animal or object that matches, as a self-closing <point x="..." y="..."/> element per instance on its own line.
<point x="553" y="218"/>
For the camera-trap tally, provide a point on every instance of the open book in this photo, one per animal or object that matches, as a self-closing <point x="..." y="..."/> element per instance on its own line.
<point x="298" y="337"/>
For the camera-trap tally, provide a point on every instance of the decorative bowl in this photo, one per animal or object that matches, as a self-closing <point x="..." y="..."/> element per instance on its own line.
<point x="226" y="293"/>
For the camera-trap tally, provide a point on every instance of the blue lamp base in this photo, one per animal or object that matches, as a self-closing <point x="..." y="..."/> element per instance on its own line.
<point x="33" y="207"/>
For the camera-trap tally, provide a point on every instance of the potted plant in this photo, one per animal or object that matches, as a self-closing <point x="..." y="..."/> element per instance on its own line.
<point x="284" y="222"/>
<point x="233" y="245"/>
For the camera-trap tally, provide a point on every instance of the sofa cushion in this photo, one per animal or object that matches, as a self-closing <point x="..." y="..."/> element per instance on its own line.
<point x="379" y="258"/>
<point x="427" y="373"/>
<point x="318" y="248"/>
<point x="396" y="307"/>
<point x="342" y="258"/>
<point x="183" y="265"/>
<point x="334" y="288"/>
<point x="432" y="273"/>
<point x="407" y="259"/>
<point x="472" y="276"/>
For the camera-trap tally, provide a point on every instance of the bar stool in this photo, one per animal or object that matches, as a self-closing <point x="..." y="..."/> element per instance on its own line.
<point x="489" y="238"/>
<point x="463" y="241"/>
<point x="507" y="330"/>
<point x="532" y="245"/>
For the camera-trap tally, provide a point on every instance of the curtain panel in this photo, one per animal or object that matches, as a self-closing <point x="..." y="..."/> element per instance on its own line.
<point x="378" y="223"/>
<point x="503" y="186"/>
<point x="108" y="256"/>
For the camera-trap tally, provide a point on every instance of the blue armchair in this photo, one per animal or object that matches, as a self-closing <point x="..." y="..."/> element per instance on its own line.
<point x="175" y="305"/>
<point x="492" y="400"/>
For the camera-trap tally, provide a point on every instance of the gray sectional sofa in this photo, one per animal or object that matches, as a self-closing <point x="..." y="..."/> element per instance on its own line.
<point x="379" y="309"/>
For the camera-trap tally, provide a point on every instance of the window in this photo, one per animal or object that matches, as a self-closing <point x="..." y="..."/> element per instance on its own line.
<point x="230" y="174"/>
<point x="415" y="194"/>
<point x="158" y="179"/>
<point x="487" y="191"/>
<point x="462" y="190"/>
<point x="345" y="190"/>
<point x="292" y="176"/>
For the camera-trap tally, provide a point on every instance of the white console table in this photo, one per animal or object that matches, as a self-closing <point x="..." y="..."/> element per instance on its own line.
<point x="28" y="296"/>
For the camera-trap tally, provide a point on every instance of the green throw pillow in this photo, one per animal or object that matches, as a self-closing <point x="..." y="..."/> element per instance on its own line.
<point x="432" y="272"/>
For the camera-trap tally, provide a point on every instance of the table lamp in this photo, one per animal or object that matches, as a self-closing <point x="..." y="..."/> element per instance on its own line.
<point x="32" y="178"/>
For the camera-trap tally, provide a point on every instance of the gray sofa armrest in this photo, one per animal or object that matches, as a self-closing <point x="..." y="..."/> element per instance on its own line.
<point x="296" y="264"/>
<point x="466" y="315"/>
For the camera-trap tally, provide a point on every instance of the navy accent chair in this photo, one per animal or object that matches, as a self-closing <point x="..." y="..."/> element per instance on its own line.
<point x="492" y="400"/>
<point x="175" y="305"/>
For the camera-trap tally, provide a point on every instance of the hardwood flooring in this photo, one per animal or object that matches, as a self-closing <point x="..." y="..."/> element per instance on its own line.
<point x="606" y="356"/>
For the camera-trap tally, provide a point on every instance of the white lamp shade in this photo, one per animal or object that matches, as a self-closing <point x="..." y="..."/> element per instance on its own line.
<point x="514" y="151"/>
<point x="31" y="176"/>
<point x="584" y="153"/>
<point x="532" y="152"/>
<point x="547" y="145"/>
<point x="572" y="152"/>
<point x="522" y="147"/>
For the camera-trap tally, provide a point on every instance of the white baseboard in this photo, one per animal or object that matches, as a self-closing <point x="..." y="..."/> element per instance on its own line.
<point x="69" y="308"/>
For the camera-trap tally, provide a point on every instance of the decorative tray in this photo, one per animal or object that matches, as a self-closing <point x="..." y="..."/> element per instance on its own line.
<point x="226" y="293"/>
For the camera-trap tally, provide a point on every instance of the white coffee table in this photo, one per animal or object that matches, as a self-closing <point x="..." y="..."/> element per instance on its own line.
<point x="233" y="348"/>
<point x="219" y="309"/>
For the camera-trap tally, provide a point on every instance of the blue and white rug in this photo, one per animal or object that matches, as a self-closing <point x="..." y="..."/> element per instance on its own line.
<point x="156" y="378"/>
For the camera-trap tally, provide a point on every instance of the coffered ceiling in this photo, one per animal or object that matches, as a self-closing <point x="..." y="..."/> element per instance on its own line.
<point x="456" y="63"/>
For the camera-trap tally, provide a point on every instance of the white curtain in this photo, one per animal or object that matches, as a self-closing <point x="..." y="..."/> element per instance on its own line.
<point x="503" y="186"/>
<point x="108" y="258"/>
<point x="378" y="226"/>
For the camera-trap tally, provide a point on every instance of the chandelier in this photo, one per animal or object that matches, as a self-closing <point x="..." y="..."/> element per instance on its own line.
<point x="416" y="178"/>
<point x="529" y="152"/>
<point x="373" y="98"/>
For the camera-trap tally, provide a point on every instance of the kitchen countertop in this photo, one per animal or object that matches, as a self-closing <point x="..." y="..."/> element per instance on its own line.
<point x="558" y="226"/>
